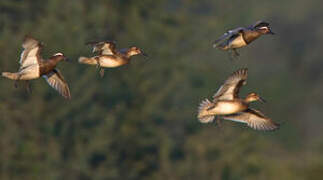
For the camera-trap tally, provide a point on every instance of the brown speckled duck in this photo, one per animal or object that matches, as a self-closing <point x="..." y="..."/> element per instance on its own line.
<point x="241" y="36"/>
<point x="109" y="56"/>
<point x="227" y="104"/>
<point x="33" y="66"/>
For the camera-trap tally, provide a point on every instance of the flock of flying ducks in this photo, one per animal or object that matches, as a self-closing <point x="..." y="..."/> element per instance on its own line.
<point x="226" y="103"/>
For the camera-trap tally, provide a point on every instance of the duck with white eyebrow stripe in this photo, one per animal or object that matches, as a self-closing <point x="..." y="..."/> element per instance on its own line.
<point x="33" y="66"/>
<point x="241" y="37"/>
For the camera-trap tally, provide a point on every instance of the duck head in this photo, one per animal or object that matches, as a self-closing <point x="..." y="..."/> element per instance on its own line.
<point x="254" y="97"/>
<point x="134" y="51"/>
<point x="59" y="57"/>
<point x="264" y="28"/>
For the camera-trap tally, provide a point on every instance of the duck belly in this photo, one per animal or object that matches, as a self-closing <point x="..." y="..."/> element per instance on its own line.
<point x="107" y="61"/>
<point x="237" y="42"/>
<point x="228" y="107"/>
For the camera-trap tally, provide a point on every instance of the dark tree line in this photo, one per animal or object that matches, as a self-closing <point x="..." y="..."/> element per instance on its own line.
<point x="139" y="121"/>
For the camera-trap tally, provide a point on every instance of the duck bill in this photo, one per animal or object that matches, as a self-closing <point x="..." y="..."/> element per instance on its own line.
<point x="214" y="45"/>
<point x="67" y="59"/>
<point x="270" y="32"/>
<point x="144" y="54"/>
<point x="262" y="100"/>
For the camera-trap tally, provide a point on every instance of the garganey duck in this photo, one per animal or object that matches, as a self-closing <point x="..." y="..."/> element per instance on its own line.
<point x="227" y="104"/>
<point x="108" y="56"/>
<point x="33" y="66"/>
<point x="241" y="36"/>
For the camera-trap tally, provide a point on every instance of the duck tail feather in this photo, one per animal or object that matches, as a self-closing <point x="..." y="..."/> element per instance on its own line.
<point x="10" y="75"/>
<point x="85" y="60"/>
<point x="203" y="115"/>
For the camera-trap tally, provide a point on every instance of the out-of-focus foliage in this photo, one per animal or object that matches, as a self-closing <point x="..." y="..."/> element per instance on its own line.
<point x="139" y="121"/>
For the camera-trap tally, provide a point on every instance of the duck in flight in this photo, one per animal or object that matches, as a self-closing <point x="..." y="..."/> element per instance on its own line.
<point x="33" y="66"/>
<point x="241" y="37"/>
<point x="108" y="56"/>
<point x="227" y="104"/>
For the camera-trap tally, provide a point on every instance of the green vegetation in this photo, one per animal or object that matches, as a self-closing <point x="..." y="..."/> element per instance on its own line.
<point x="139" y="121"/>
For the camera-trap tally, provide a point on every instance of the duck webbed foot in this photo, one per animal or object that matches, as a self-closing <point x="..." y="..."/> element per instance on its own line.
<point x="16" y="84"/>
<point x="218" y="122"/>
<point x="101" y="72"/>
<point x="233" y="54"/>
<point x="28" y="87"/>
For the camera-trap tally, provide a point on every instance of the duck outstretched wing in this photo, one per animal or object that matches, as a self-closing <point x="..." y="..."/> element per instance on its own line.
<point x="230" y="89"/>
<point x="103" y="47"/>
<point x="228" y="35"/>
<point x="254" y="119"/>
<point x="31" y="53"/>
<point x="56" y="80"/>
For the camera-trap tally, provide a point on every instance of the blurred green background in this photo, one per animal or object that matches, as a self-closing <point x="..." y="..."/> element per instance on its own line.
<point x="139" y="121"/>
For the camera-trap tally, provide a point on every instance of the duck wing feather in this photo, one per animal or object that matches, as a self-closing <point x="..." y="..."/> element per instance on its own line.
<point x="228" y="35"/>
<point x="31" y="53"/>
<point x="230" y="88"/>
<point x="254" y="119"/>
<point x="104" y="47"/>
<point x="56" y="80"/>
